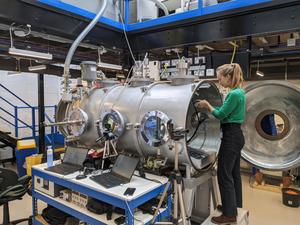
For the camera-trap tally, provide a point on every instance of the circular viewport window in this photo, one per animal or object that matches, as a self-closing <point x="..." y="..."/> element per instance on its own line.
<point x="272" y="125"/>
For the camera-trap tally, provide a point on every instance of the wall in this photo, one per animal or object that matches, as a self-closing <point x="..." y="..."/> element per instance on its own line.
<point x="25" y="85"/>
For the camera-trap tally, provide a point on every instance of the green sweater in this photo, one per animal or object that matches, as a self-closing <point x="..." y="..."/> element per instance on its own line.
<point x="233" y="109"/>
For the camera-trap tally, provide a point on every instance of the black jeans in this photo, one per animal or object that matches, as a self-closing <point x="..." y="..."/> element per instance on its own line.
<point x="229" y="177"/>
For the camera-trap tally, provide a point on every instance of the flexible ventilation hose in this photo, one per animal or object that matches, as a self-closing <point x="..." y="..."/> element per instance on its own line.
<point x="162" y="6"/>
<point x="77" y="42"/>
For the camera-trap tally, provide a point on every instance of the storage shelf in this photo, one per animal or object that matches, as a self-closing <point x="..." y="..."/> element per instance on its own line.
<point x="85" y="215"/>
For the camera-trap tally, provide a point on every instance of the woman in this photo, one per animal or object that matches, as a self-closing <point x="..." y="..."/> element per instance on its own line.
<point x="232" y="115"/>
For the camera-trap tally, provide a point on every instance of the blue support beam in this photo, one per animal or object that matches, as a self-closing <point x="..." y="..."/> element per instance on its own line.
<point x="201" y="11"/>
<point x="73" y="9"/>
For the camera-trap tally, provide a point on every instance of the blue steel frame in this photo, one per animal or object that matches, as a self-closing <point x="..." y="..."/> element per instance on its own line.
<point x="201" y="11"/>
<point x="94" y="194"/>
<point x="81" y="12"/>
<point x="20" y="124"/>
<point x="34" y="124"/>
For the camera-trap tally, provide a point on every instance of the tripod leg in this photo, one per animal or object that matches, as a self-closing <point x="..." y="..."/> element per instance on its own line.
<point x="175" y="215"/>
<point x="114" y="147"/>
<point x="160" y="202"/>
<point x="176" y="145"/>
<point x="103" y="156"/>
<point x="181" y="205"/>
<point x="108" y="148"/>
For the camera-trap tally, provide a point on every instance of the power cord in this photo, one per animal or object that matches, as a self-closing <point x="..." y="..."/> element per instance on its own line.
<point x="133" y="214"/>
<point x="125" y="34"/>
<point x="234" y="51"/>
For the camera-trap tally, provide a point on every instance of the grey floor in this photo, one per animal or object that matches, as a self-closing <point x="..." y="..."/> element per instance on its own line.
<point x="265" y="207"/>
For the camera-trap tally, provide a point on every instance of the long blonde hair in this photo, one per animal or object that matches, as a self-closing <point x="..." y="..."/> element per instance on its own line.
<point x="235" y="72"/>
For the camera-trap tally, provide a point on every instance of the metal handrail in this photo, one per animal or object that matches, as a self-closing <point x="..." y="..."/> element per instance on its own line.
<point x="6" y="121"/>
<point x="27" y="125"/>
<point x="32" y="127"/>
<point x="7" y="101"/>
<point x="48" y="117"/>
<point x="14" y="95"/>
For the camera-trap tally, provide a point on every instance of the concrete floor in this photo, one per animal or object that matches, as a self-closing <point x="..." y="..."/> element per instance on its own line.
<point x="265" y="207"/>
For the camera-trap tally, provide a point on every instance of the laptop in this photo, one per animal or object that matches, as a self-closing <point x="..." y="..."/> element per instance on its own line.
<point x="72" y="161"/>
<point x="121" y="172"/>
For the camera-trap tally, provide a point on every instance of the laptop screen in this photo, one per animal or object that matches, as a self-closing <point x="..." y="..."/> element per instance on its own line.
<point x="125" y="166"/>
<point x="75" y="156"/>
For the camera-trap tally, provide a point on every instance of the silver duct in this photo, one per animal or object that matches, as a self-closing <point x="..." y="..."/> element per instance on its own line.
<point x="162" y="6"/>
<point x="74" y="47"/>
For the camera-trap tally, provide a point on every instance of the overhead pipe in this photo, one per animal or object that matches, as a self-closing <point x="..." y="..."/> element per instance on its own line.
<point x="76" y="44"/>
<point x="276" y="55"/>
<point x="162" y="6"/>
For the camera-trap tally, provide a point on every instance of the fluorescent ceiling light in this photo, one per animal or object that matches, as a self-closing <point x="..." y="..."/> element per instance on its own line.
<point x="120" y="76"/>
<point x="72" y="66"/>
<point x="30" y="54"/>
<point x="259" y="73"/>
<point x="263" y="40"/>
<point x="209" y="48"/>
<point x="101" y="65"/>
<point x="202" y="47"/>
<point x="37" y="68"/>
<point x="13" y="73"/>
<point x="109" y="66"/>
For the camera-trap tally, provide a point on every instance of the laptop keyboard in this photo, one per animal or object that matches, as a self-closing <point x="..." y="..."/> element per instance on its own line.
<point x="64" y="169"/>
<point x="108" y="180"/>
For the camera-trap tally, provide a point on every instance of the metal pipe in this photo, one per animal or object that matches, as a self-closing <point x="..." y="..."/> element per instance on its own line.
<point x="162" y="6"/>
<point x="77" y="42"/>
<point x="63" y="123"/>
<point x="276" y="55"/>
<point x="41" y="113"/>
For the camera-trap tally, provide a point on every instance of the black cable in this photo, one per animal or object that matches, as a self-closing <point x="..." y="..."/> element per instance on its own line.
<point x="198" y="125"/>
<point x="205" y="135"/>
<point x="200" y="121"/>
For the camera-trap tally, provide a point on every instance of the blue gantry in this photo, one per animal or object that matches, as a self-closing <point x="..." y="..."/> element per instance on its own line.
<point x="198" y="12"/>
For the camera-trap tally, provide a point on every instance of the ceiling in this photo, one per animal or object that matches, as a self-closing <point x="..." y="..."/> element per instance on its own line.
<point x="271" y="50"/>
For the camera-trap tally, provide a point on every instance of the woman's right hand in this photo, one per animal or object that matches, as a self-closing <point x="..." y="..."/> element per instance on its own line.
<point x="202" y="104"/>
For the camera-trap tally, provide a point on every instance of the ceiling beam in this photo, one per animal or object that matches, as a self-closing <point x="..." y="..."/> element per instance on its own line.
<point x="52" y="21"/>
<point x="12" y="65"/>
<point x="261" y="21"/>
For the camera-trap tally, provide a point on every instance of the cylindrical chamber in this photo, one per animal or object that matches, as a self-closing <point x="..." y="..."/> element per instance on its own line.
<point x="146" y="110"/>
<point x="88" y="106"/>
